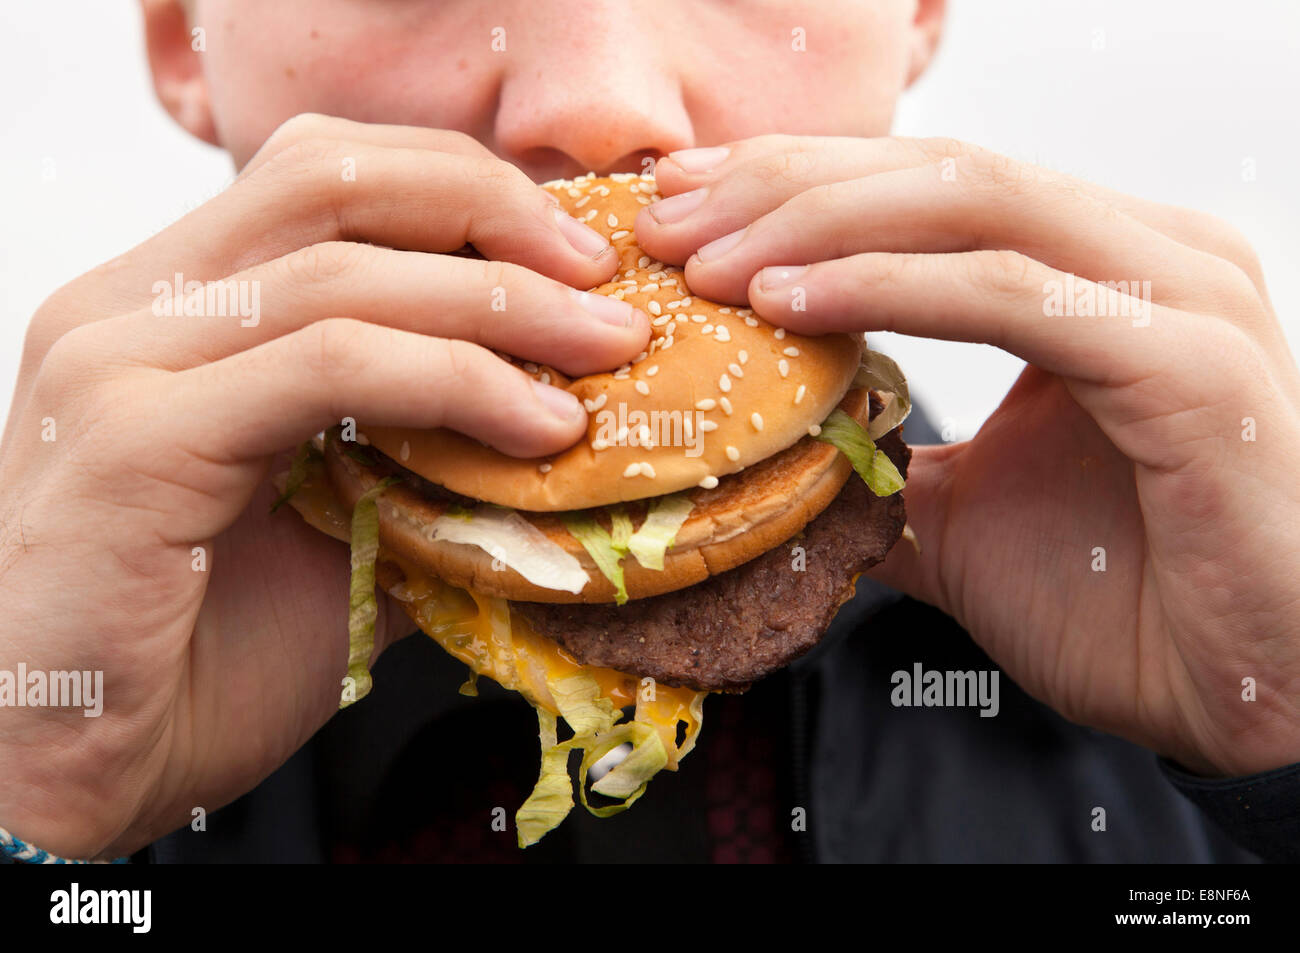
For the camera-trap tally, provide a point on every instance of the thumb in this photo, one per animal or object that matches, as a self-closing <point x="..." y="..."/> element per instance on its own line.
<point x="926" y="496"/>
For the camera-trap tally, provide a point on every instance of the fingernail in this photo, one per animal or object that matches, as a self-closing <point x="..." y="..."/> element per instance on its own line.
<point x="777" y="277"/>
<point x="720" y="246"/>
<point x="610" y="310"/>
<point x="560" y="403"/>
<point x="587" y="241"/>
<point x="677" y="207"/>
<point x="700" y="160"/>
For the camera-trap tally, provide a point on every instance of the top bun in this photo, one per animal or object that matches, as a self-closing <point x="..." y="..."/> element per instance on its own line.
<point x="717" y="389"/>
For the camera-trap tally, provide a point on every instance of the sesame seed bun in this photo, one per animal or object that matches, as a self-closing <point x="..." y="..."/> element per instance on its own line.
<point x="754" y="390"/>
<point x="741" y="518"/>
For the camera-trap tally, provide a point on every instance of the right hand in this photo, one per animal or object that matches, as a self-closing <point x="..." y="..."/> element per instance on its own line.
<point x="165" y="429"/>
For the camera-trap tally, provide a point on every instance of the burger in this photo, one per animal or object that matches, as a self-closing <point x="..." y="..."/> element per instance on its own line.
<point x="734" y="482"/>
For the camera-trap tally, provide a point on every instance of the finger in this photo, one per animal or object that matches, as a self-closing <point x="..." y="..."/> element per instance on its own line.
<point x="332" y="190"/>
<point x="918" y="574"/>
<point x="315" y="126"/>
<point x="730" y="186"/>
<point x="1001" y="298"/>
<point x="496" y="304"/>
<point x="257" y="401"/>
<point x="744" y="180"/>
<point x="987" y="206"/>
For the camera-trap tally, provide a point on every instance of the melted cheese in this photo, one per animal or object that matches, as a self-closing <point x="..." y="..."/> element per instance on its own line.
<point x="486" y="635"/>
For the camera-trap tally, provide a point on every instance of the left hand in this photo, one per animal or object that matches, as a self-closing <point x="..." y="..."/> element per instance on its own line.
<point x="1170" y="438"/>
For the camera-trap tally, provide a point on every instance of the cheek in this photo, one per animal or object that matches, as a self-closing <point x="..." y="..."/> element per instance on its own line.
<point x="276" y="60"/>
<point x="822" y="68"/>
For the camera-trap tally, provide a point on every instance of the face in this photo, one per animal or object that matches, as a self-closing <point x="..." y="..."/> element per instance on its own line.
<point x="557" y="87"/>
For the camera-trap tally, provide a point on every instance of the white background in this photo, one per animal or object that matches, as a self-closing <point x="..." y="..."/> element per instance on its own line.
<point x="1179" y="96"/>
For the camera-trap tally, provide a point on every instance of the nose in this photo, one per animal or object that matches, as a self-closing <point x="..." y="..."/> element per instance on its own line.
<point x="608" y="104"/>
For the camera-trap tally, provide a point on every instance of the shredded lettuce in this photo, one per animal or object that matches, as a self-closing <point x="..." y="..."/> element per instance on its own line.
<point x="605" y="550"/>
<point x="873" y="465"/>
<point x="650" y="543"/>
<point x="515" y="541"/>
<point x="552" y="798"/>
<point x="596" y="733"/>
<point x="880" y="373"/>
<point x="579" y="699"/>
<point x="362" y="606"/>
<point x="301" y="466"/>
<point x="628" y="779"/>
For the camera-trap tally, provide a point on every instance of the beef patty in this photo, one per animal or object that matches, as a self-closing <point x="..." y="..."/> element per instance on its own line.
<point x="732" y="629"/>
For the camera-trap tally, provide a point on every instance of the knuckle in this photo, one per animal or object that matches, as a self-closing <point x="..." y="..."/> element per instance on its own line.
<point x="1230" y="244"/>
<point x="937" y="148"/>
<point x="301" y="162"/>
<point x="296" y="129"/>
<point x="324" y="262"/>
<point x="784" y="167"/>
<point x="67" y="368"/>
<point x="1002" y="271"/>
<point x="998" y="174"/>
<point x="332" y="348"/>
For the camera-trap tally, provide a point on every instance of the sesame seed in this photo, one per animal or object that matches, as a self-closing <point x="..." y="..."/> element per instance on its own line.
<point x="653" y="308"/>
<point x="708" y="426"/>
<point x="744" y="356"/>
<point x="652" y="286"/>
<point x="723" y="334"/>
<point x="640" y="357"/>
<point x="791" y="352"/>
<point x="751" y="322"/>
<point x="530" y="367"/>
<point x="599" y="444"/>
<point x="629" y="273"/>
<point x="643" y="200"/>
<point x="652" y="371"/>
<point x="724" y="384"/>
<point x="545" y="468"/>
<point x="698" y="318"/>
<point x="591" y="213"/>
<point x="660" y="321"/>
<point x="686" y="302"/>
<point x="582" y="201"/>
<point x="405" y="452"/>
<point x="643" y="261"/>
<point x="668" y="342"/>
<point x="725" y="310"/>
<point x="647" y="470"/>
<point x="733" y="454"/>
<point x="574" y="193"/>
<point x="757" y="420"/>
<point x="643" y="437"/>
<point x="725" y="404"/>
<point x="780" y="334"/>
<point x="735" y="370"/>
<point x="599" y="402"/>
<point x="604" y="190"/>
<point x="745" y="312"/>
<point x="784" y="367"/>
<point x="707" y="403"/>
<point x="658" y="273"/>
<point x="633" y="469"/>
<point x="814" y="430"/>
<point x="545" y="378"/>
<point x="621" y="233"/>
<point x="621" y="437"/>
<point x="643" y="388"/>
<point x="798" y="395"/>
<point x="619" y="294"/>
<point x="709" y="482"/>
<point x="634" y="188"/>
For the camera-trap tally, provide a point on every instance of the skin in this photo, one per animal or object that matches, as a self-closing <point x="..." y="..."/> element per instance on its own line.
<point x="1122" y="437"/>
